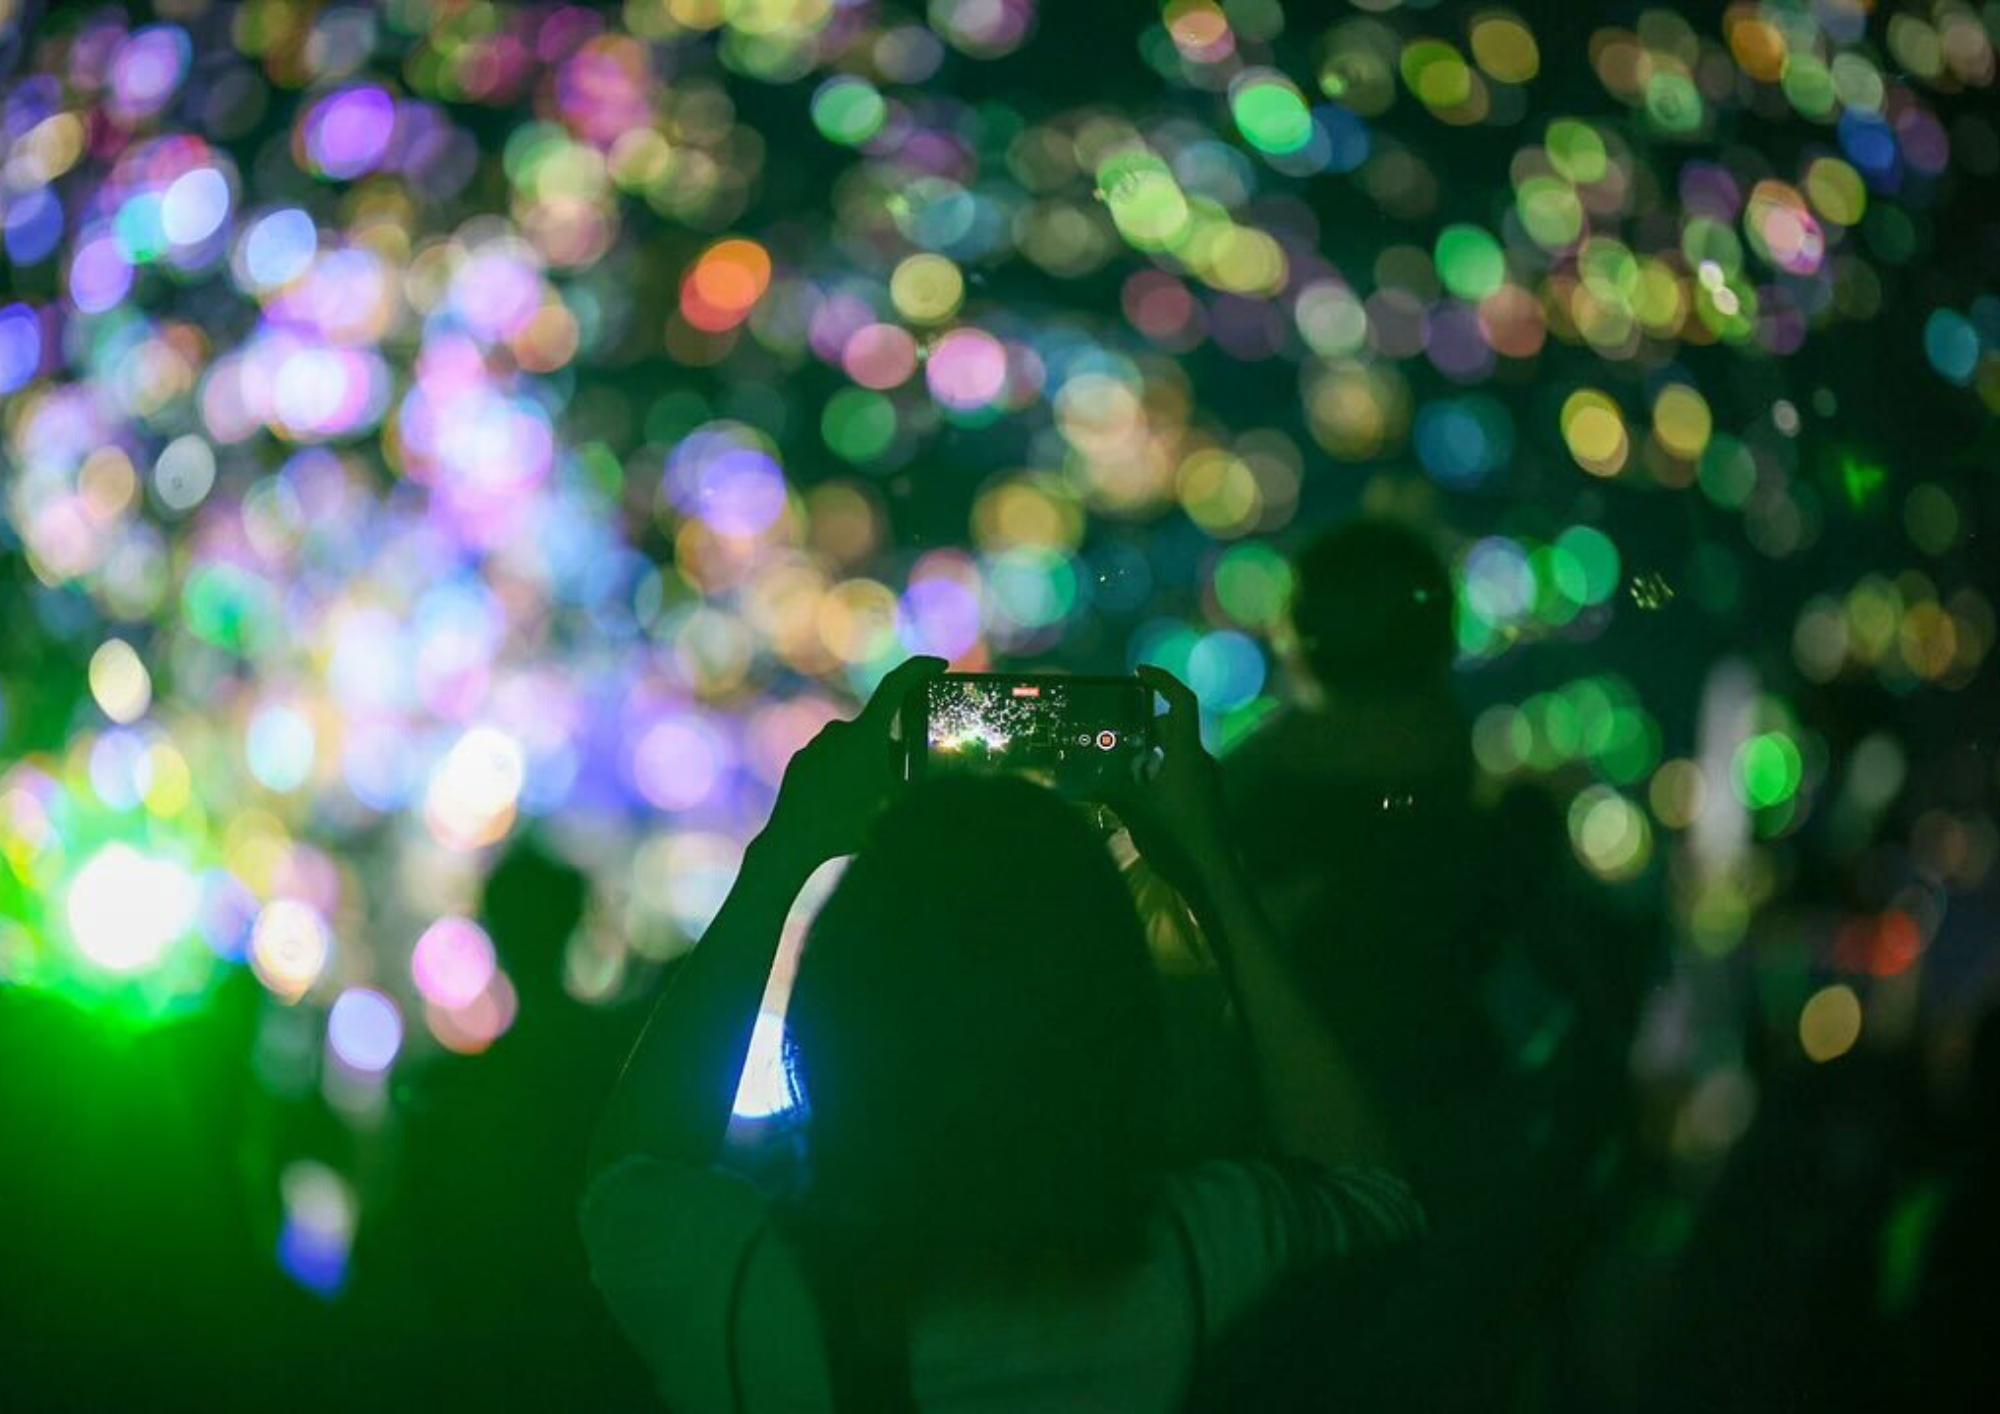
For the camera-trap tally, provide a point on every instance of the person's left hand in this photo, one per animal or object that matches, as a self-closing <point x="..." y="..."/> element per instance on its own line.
<point x="837" y="782"/>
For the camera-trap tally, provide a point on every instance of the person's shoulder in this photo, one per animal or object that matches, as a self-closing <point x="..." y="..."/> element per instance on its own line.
<point x="1288" y="750"/>
<point x="1246" y="1223"/>
<point x="1373" y="1201"/>
<point x="1277" y="735"/>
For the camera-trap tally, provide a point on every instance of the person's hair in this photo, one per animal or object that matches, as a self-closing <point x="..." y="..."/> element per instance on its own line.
<point x="1372" y="607"/>
<point x="976" y="1035"/>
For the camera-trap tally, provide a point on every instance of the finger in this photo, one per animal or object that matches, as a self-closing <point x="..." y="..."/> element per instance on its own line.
<point x="1182" y="722"/>
<point x="896" y="685"/>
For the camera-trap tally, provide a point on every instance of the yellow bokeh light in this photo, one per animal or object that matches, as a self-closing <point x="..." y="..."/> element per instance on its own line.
<point x="1219" y="492"/>
<point x="1594" y="430"/>
<point x="1239" y="259"/>
<point x="927" y="289"/>
<point x="1357" y="409"/>
<point x="1022" y="512"/>
<point x="1505" y="48"/>
<point x="857" y="620"/>
<point x="1610" y="834"/>
<point x="1660" y="298"/>
<point x="1830" y="1022"/>
<point x="107" y="483"/>
<point x="1677" y="793"/>
<point x="474" y="789"/>
<point x="169" y="783"/>
<point x="290" y="944"/>
<point x="1682" y="421"/>
<point x="1836" y="191"/>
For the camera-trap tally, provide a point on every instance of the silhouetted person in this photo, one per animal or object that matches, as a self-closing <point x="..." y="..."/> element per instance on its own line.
<point x="1777" y="1301"/>
<point x="988" y="1219"/>
<point x="134" y="1270"/>
<point x="473" y="1275"/>
<point x="1457" y="954"/>
<point x="1958" y="1304"/>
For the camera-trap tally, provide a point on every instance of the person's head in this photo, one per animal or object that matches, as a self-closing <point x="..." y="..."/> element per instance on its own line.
<point x="1372" y="608"/>
<point x="975" y="1030"/>
<point x="534" y="900"/>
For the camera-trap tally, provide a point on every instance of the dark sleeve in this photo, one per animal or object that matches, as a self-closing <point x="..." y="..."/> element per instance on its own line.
<point x="667" y="1243"/>
<point x="1249" y="1223"/>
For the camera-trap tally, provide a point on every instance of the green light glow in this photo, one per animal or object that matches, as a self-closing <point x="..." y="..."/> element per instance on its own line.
<point x="1272" y="115"/>
<point x="1860" y="481"/>
<point x="848" y="110"/>
<point x="1253" y="584"/>
<point x="1727" y="471"/>
<point x="858" y="424"/>
<point x="1559" y="584"/>
<point x="1673" y="103"/>
<point x="1598" y="558"/>
<point x="109" y="903"/>
<point x="1550" y="211"/>
<point x="1767" y="770"/>
<point x="1576" y="150"/>
<point x="1470" y="262"/>
<point x="124" y="908"/>
<point x="1146" y="203"/>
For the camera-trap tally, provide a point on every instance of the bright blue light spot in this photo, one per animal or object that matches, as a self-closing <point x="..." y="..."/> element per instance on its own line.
<point x="34" y="226"/>
<point x="1870" y="144"/>
<point x="314" y="1259"/>
<point x="1225" y="669"/>
<point x="280" y="247"/>
<point x="20" y="346"/>
<point x="766" y="1088"/>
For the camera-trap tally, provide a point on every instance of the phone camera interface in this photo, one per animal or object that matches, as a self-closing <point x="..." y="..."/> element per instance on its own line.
<point x="1066" y="734"/>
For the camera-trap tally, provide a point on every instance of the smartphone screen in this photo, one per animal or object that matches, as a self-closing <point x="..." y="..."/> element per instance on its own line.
<point x="1076" y="734"/>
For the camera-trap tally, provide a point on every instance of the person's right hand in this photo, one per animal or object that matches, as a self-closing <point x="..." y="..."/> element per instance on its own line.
<point x="839" y="781"/>
<point x="1176" y="815"/>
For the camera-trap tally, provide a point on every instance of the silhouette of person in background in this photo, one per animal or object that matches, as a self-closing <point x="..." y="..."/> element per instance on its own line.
<point x="482" y="1296"/>
<point x="132" y="1275"/>
<point x="1456" y="952"/>
<point x="1776" y="1303"/>
<point x="988" y="1217"/>
<point x="1957" y="1306"/>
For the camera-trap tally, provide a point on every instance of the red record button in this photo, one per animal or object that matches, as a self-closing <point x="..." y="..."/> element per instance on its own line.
<point x="1106" y="740"/>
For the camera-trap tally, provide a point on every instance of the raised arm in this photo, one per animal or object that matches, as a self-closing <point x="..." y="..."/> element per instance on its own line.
<point x="1316" y="1107"/>
<point x="674" y="1098"/>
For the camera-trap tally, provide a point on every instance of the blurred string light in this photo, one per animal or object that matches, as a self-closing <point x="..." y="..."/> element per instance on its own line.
<point x="423" y="422"/>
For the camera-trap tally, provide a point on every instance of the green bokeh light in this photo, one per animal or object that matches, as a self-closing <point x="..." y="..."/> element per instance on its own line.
<point x="1470" y="262"/>
<point x="1598" y="558"/>
<point x="1576" y="150"/>
<point x="1272" y="115"/>
<point x="848" y="110"/>
<point x="1146" y="203"/>
<point x="1253" y="584"/>
<point x="107" y="909"/>
<point x="1767" y="770"/>
<point x="858" y="424"/>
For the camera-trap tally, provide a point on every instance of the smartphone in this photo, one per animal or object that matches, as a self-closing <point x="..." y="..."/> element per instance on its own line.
<point x="1077" y="734"/>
